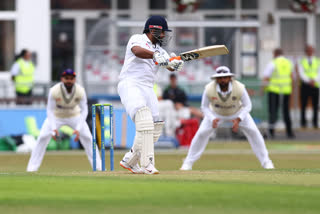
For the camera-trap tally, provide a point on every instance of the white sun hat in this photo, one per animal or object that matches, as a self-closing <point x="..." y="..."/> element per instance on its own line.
<point x="222" y="71"/>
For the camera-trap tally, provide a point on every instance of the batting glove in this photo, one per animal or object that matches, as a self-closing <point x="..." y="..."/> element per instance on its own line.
<point x="161" y="59"/>
<point x="175" y="64"/>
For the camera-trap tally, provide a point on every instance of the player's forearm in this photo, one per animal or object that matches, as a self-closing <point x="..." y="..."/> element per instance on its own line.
<point x="208" y="113"/>
<point x="50" y="111"/>
<point x="302" y="75"/>
<point x="142" y="52"/>
<point x="246" y="105"/>
<point x="52" y="119"/>
<point x="84" y="112"/>
<point x="205" y="108"/>
<point x="317" y="79"/>
<point x="83" y="117"/>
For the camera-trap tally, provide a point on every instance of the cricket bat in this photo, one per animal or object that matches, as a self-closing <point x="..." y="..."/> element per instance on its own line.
<point x="200" y="53"/>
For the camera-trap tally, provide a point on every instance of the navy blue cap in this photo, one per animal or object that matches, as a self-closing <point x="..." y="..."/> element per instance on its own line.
<point x="157" y="22"/>
<point x="68" y="72"/>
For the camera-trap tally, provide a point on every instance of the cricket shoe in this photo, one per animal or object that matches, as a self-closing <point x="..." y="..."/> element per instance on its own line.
<point x="186" y="167"/>
<point x="150" y="169"/>
<point x="268" y="165"/>
<point x="136" y="169"/>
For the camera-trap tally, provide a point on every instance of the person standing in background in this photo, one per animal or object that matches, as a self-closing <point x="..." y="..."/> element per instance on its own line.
<point x="308" y="69"/>
<point x="178" y="96"/>
<point x="277" y="78"/>
<point x="167" y="112"/>
<point x="22" y="73"/>
<point x="174" y="92"/>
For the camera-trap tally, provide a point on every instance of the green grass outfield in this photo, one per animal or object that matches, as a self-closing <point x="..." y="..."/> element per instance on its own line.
<point x="227" y="179"/>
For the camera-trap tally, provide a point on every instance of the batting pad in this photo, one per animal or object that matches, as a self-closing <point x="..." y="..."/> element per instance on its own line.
<point x="144" y="134"/>
<point x="158" y="126"/>
<point x="144" y="130"/>
<point x="136" y="151"/>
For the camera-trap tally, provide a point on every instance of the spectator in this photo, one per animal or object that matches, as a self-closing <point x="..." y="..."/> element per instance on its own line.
<point x="179" y="98"/>
<point x="167" y="113"/>
<point x="308" y="69"/>
<point x="277" y="79"/>
<point x="22" y="73"/>
<point x="174" y="92"/>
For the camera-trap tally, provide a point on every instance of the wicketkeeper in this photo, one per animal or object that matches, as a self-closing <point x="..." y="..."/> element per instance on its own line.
<point x="67" y="105"/>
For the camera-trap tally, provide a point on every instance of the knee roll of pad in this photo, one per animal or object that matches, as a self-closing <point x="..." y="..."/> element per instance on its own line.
<point x="144" y="120"/>
<point x="144" y="127"/>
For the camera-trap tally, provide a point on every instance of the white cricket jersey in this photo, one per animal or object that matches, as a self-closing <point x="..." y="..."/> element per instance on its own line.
<point x="141" y="71"/>
<point x="243" y="98"/>
<point x="64" y="105"/>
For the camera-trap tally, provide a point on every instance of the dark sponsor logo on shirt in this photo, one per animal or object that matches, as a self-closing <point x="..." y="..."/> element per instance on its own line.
<point x="224" y="107"/>
<point x="64" y="107"/>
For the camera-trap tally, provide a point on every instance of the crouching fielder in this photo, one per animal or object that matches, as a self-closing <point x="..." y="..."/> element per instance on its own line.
<point x="135" y="88"/>
<point x="67" y="105"/>
<point x="225" y="99"/>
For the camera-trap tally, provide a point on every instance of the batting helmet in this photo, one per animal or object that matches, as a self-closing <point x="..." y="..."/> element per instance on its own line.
<point x="156" y="22"/>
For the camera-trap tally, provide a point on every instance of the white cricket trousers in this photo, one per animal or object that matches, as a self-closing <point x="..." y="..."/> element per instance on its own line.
<point x="136" y="96"/>
<point x="247" y="126"/>
<point x="43" y="140"/>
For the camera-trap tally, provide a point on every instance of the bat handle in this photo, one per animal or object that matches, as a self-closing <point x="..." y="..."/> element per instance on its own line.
<point x="172" y="58"/>
<point x="176" y="57"/>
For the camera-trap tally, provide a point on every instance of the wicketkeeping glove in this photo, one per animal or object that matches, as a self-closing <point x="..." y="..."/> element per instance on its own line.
<point x="160" y="59"/>
<point x="175" y="64"/>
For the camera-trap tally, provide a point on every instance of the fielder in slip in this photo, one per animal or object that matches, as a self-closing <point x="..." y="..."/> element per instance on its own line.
<point x="226" y="100"/>
<point x="67" y="105"/>
<point x="135" y="88"/>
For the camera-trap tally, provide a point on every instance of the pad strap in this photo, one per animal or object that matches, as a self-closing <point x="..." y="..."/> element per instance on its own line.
<point x="158" y="127"/>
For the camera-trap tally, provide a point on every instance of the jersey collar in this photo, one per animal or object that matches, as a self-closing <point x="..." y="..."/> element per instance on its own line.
<point x="149" y="41"/>
<point x="226" y="92"/>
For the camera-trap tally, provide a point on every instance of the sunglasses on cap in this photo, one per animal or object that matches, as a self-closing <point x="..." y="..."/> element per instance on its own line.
<point x="222" y="71"/>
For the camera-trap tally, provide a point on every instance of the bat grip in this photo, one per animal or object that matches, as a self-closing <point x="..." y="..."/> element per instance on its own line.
<point x="172" y="58"/>
<point x="176" y="57"/>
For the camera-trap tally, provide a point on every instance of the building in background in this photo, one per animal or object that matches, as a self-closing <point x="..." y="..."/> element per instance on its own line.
<point x="57" y="32"/>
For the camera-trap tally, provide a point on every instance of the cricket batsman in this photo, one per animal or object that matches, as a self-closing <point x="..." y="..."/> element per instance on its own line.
<point x="67" y="105"/>
<point x="144" y="55"/>
<point x="226" y="100"/>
